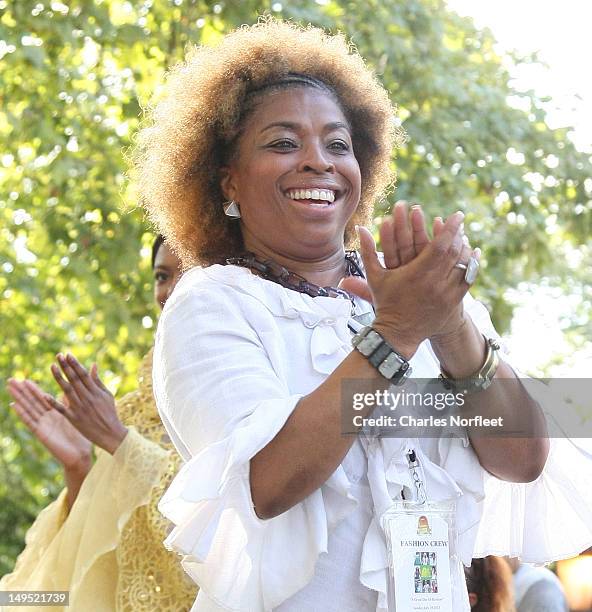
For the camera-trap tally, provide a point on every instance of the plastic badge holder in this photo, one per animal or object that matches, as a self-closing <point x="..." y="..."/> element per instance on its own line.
<point x="425" y="570"/>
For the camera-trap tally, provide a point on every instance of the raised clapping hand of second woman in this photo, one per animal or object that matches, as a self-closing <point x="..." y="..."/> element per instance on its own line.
<point x="90" y="406"/>
<point x="54" y="431"/>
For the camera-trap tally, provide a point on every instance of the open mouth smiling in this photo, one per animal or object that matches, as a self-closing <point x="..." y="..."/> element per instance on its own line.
<point x="314" y="196"/>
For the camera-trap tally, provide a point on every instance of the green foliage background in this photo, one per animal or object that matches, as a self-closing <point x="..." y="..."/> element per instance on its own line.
<point x="74" y="271"/>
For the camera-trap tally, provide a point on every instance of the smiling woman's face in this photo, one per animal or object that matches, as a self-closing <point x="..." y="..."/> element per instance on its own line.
<point x="294" y="175"/>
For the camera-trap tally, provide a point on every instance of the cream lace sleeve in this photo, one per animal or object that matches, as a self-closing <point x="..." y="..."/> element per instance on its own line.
<point x="151" y="577"/>
<point x="80" y="556"/>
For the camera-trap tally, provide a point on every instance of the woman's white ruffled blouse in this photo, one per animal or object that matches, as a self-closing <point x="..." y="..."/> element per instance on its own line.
<point x="234" y="354"/>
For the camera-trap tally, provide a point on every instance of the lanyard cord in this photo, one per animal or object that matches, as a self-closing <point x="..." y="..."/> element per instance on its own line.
<point x="415" y="469"/>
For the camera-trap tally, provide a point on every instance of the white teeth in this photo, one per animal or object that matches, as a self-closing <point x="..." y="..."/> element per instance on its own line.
<point x="327" y="195"/>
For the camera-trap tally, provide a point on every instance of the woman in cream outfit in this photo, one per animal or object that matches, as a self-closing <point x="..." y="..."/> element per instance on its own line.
<point x="101" y="540"/>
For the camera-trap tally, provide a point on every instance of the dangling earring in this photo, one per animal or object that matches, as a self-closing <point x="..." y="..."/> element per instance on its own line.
<point x="232" y="210"/>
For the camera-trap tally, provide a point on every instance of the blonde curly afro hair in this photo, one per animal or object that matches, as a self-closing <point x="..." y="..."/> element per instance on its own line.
<point x="192" y="129"/>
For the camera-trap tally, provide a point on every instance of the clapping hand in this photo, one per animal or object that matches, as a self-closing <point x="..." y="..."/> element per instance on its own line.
<point x="51" y="428"/>
<point x="404" y="236"/>
<point x="418" y="292"/>
<point x="89" y="405"/>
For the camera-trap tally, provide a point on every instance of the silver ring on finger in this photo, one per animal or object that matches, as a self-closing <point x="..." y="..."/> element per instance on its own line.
<point x="471" y="269"/>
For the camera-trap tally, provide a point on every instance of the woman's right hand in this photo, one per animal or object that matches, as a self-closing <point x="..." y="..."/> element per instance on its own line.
<point x="51" y="428"/>
<point x="414" y="300"/>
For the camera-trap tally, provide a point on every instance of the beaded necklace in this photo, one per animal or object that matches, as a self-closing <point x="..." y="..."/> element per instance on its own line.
<point x="271" y="270"/>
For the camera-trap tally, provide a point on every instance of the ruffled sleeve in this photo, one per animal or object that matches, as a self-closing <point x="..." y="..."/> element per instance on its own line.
<point x="222" y="398"/>
<point x="541" y="521"/>
<point x="548" y="519"/>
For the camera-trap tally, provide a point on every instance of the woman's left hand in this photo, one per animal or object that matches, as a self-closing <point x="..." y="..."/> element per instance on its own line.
<point x="456" y="320"/>
<point x="90" y="406"/>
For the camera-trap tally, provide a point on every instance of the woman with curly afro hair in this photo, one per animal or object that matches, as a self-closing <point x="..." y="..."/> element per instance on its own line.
<point x="196" y="126"/>
<point x="258" y="162"/>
